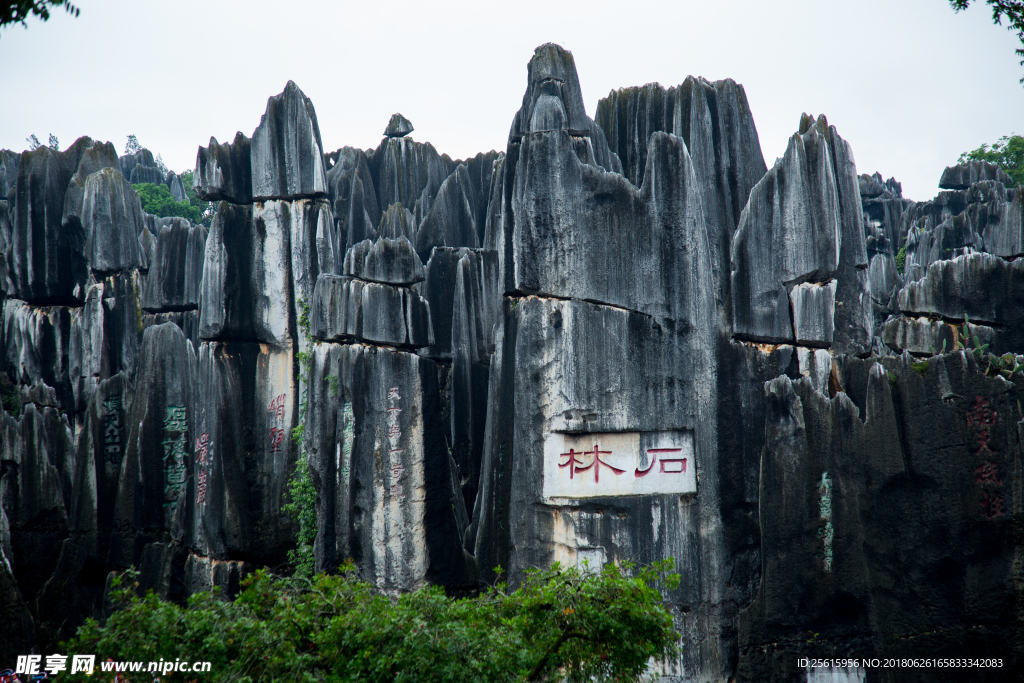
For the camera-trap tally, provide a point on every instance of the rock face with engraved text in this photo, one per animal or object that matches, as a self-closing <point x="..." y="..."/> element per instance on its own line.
<point x="620" y="339"/>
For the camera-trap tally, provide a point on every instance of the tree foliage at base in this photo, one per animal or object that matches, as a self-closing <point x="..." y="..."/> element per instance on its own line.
<point x="560" y="625"/>
<point x="1007" y="153"/>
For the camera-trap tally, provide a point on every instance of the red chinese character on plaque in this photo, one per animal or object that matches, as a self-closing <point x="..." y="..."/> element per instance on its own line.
<point x="668" y="465"/>
<point x="575" y="464"/>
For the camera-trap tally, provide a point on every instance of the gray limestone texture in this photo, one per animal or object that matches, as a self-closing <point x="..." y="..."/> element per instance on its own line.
<point x="388" y="261"/>
<point x="47" y="263"/>
<point x="224" y="171"/>
<point x="408" y="172"/>
<point x="452" y="221"/>
<point x="398" y="127"/>
<point x="790" y="232"/>
<point x="476" y="309"/>
<point x="247" y="399"/>
<point x="175" y="274"/>
<point x="378" y="459"/>
<point x="353" y="197"/>
<point x="104" y="335"/>
<point x="150" y="501"/>
<point x="347" y="308"/>
<point x="962" y="176"/>
<point x="286" y="153"/>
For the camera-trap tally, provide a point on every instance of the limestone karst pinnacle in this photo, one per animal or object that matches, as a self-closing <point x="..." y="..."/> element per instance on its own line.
<point x="619" y="339"/>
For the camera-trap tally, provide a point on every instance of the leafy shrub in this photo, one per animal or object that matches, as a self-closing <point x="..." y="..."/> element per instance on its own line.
<point x="560" y="625"/>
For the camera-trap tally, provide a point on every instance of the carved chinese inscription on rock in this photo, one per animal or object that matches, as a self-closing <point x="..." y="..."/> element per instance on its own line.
<point x="175" y="445"/>
<point x="980" y="420"/>
<point x="619" y="464"/>
<point x="277" y="429"/>
<point x="203" y="461"/>
<point x="112" y="430"/>
<point x="394" y="432"/>
<point x="827" y="532"/>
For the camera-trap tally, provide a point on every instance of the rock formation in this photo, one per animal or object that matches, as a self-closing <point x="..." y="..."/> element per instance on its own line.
<point x="620" y="339"/>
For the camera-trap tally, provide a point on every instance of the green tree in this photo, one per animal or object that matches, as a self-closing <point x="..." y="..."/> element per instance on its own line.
<point x="560" y="625"/>
<point x="157" y="200"/>
<point x="132" y="146"/>
<point x="17" y="11"/>
<point x="1007" y="153"/>
<point x="207" y="209"/>
<point x="1013" y="10"/>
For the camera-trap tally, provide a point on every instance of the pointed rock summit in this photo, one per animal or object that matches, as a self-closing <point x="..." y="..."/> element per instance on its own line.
<point x="398" y="127"/>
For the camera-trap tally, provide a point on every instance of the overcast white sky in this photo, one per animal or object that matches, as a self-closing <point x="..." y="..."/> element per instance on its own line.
<point x="909" y="83"/>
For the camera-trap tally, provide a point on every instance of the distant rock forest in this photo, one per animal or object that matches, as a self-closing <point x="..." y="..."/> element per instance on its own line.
<point x="623" y="338"/>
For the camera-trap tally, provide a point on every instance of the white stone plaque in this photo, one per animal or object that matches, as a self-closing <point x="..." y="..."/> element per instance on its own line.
<point x="619" y="464"/>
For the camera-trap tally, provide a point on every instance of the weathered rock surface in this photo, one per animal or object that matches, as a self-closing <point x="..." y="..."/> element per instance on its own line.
<point x="346" y="308"/>
<point x="378" y="460"/>
<point x="247" y="401"/>
<point x="452" y="221"/>
<point x="625" y="348"/>
<point x="37" y="342"/>
<point x="353" y="197"/>
<point x="813" y="307"/>
<point x="389" y="261"/>
<point x="224" y="171"/>
<point x="396" y="222"/>
<point x="475" y="313"/>
<point x="962" y="176"/>
<point x="46" y="259"/>
<point x="287" y="155"/>
<point x="408" y="172"/>
<point x="790" y="232"/>
<point x="438" y="288"/>
<point x="152" y="488"/>
<point x="143" y="160"/>
<point x="834" y="477"/>
<point x="38" y="458"/>
<point x="260" y="262"/>
<point x="108" y="213"/>
<point x="926" y="337"/>
<point x="8" y="172"/>
<point x="398" y="127"/>
<point x="715" y="121"/>
<point x="175" y="187"/>
<point x="175" y="274"/>
<point x="104" y="335"/>
<point x="984" y="288"/>
<point x="588" y="387"/>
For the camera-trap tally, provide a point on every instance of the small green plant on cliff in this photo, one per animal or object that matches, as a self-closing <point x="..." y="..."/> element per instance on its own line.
<point x="558" y="625"/>
<point x="301" y="507"/>
<point x="901" y="259"/>
<point x="10" y="396"/>
<point x="1005" y="365"/>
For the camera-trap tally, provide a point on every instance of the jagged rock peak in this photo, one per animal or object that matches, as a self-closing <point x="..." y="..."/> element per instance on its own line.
<point x="962" y="176"/>
<point x="397" y="222"/>
<point x="553" y="98"/>
<point x="224" y="172"/>
<point x="398" y="127"/>
<point x="287" y="156"/>
<point x="872" y="186"/>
